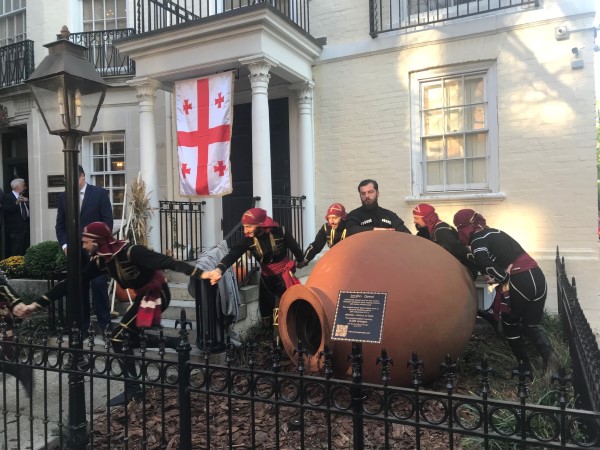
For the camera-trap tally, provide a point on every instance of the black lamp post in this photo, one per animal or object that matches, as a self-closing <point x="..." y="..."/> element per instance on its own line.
<point x="69" y="92"/>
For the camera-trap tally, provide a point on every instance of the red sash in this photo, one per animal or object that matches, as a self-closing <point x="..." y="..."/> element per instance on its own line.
<point x="150" y="306"/>
<point x="283" y="268"/>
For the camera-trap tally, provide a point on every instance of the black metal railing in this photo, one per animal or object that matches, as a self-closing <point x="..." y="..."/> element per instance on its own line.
<point x="181" y="229"/>
<point x="152" y="15"/>
<point x="103" y="54"/>
<point x="289" y="212"/>
<point x="393" y="15"/>
<point x="185" y="403"/>
<point x="583" y="344"/>
<point x="16" y="63"/>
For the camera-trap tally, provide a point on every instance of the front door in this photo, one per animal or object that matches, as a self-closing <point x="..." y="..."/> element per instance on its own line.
<point x="240" y="199"/>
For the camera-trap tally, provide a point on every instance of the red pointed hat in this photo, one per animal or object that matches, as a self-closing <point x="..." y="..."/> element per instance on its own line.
<point x="423" y="210"/>
<point x="101" y="235"/>
<point x="254" y="216"/>
<point x="337" y="209"/>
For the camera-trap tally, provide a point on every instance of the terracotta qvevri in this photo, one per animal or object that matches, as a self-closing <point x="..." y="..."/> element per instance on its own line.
<point x="431" y="304"/>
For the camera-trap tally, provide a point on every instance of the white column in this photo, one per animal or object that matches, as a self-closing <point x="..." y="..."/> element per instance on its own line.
<point x="261" y="136"/>
<point x="306" y="157"/>
<point x="146" y="95"/>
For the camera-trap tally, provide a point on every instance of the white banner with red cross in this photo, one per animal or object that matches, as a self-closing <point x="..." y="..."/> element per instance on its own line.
<point x="204" y="120"/>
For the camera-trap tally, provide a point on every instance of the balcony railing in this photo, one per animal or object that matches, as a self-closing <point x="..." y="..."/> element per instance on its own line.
<point x="101" y="52"/>
<point x="154" y="15"/>
<point x="16" y="63"/>
<point x="393" y="15"/>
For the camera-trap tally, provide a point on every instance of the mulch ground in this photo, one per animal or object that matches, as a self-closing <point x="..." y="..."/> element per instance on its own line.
<point x="149" y="425"/>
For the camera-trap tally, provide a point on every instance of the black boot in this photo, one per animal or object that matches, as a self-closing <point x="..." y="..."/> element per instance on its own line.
<point x="22" y="373"/>
<point x="133" y="390"/>
<point x="540" y="340"/>
<point x="517" y="346"/>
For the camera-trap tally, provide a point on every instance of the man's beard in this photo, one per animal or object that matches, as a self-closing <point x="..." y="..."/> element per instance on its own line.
<point x="370" y="206"/>
<point x="420" y="227"/>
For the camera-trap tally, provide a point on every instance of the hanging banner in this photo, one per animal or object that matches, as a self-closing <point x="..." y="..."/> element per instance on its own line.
<point x="204" y="120"/>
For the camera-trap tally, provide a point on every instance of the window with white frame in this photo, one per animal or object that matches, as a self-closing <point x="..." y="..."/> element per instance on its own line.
<point x="101" y="15"/>
<point x="107" y="168"/>
<point x="455" y="140"/>
<point x="12" y="22"/>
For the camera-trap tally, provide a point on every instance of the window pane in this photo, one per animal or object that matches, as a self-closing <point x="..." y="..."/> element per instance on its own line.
<point x="454" y="120"/>
<point x="433" y="122"/>
<point x="118" y="180"/>
<point x="98" y="9"/>
<point x="455" y="147"/>
<point x="453" y="92"/>
<point x="435" y="173"/>
<point x="118" y="195"/>
<point x="434" y="149"/>
<point x="474" y="90"/>
<point x="99" y="180"/>
<point x="476" y="171"/>
<point x="117" y="211"/>
<point x="121" y="8"/>
<point x="432" y="96"/>
<point x="456" y="173"/>
<point x="476" y="144"/>
<point x="475" y="117"/>
<point x="87" y="10"/>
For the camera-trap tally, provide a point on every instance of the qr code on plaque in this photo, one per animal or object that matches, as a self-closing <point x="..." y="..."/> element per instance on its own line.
<point x="341" y="330"/>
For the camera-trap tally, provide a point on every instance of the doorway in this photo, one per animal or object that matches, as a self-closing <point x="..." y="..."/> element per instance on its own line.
<point x="240" y="199"/>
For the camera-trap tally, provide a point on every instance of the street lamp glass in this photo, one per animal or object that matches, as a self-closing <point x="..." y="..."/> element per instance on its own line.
<point x="68" y="103"/>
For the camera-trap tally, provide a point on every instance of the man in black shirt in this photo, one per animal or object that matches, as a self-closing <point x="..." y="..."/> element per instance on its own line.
<point x="371" y="216"/>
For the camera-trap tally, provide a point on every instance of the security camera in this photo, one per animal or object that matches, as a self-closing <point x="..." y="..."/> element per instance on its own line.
<point x="575" y="51"/>
<point x="561" y="33"/>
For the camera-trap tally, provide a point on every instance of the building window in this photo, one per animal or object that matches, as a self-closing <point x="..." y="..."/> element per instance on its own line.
<point x="455" y="145"/>
<point x="107" y="168"/>
<point x="101" y="15"/>
<point x="12" y="22"/>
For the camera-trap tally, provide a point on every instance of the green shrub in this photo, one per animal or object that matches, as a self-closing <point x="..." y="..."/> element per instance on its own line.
<point x="13" y="266"/>
<point x="41" y="259"/>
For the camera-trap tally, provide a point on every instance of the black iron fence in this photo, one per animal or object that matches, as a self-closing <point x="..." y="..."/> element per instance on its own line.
<point x="289" y="212"/>
<point x="16" y="63"/>
<point x="154" y="15"/>
<point x="393" y="15"/>
<point x="191" y="403"/>
<point x="583" y="344"/>
<point x="106" y="58"/>
<point x="181" y="229"/>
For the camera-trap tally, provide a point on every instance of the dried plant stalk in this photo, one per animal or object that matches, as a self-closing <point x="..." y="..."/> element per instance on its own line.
<point x="139" y="212"/>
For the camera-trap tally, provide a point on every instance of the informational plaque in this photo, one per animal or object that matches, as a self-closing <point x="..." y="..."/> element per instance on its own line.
<point x="53" y="199"/>
<point x="359" y="317"/>
<point x="56" y="180"/>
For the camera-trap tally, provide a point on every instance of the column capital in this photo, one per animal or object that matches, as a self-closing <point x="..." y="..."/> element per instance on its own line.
<point x="259" y="66"/>
<point x="304" y="90"/>
<point x="146" y="88"/>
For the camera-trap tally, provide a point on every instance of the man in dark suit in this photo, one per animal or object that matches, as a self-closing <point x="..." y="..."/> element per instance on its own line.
<point x="94" y="207"/>
<point x="16" y="218"/>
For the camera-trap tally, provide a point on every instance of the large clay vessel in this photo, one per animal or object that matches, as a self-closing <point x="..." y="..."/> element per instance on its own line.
<point x="431" y="304"/>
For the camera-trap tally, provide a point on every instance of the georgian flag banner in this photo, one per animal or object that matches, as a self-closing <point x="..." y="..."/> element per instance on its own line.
<point x="204" y="120"/>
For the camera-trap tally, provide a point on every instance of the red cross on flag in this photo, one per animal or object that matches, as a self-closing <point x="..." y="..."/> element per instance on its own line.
<point x="204" y="120"/>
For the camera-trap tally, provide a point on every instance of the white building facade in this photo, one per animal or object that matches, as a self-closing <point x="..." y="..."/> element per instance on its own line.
<point x="448" y="104"/>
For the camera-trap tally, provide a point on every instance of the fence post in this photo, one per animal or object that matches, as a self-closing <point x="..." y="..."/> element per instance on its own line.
<point x="185" y="407"/>
<point x="357" y="398"/>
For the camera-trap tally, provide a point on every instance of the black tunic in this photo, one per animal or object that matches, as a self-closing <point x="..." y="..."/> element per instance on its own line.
<point x="447" y="236"/>
<point x="133" y="267"/>
<point x="325" y="235"/>
<point x="362" y="219"/>
<point x="266" y="248"/>
<point x="494" y="251"/>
